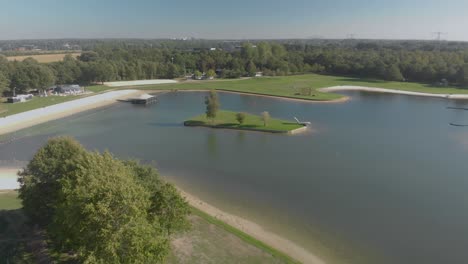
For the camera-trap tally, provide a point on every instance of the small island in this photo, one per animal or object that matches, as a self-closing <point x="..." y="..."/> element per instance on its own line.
<point x="230" y="120"/>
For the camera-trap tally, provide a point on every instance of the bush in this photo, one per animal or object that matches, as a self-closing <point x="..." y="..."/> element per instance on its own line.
<point x="240" y="117"/>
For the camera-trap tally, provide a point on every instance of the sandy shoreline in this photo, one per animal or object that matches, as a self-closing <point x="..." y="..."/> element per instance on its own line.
<point x="41" y="115"/>
<point x="286" y="246"/>
<point x="8" y="181"/>
<point x="392" y="91"/>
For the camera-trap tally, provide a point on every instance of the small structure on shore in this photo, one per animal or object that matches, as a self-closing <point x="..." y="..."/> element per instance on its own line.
<point x="68" y="89"/>
<point x="142" y="99"/>
<point x="20" y="98"/>
<point x="302" y="123"/>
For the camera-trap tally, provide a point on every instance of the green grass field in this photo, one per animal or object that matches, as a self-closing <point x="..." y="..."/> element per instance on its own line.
<point x="227" y="119"/>
<point x="291" y="86"/>
<point x="9" y="200"/>
<point x="287" y="86"/>
<point x="99" y="88"/>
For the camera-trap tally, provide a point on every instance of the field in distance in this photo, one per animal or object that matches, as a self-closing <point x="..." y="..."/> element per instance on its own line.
<point x="44" y="58"/>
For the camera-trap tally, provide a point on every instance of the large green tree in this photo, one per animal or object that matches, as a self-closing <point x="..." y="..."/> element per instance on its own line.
<point x="102" y="209"/>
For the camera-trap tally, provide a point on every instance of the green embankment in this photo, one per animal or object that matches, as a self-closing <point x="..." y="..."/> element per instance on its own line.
<point x="227" y="119"/>
<point x="251" y="240"/>
<point x="296" y="86"/>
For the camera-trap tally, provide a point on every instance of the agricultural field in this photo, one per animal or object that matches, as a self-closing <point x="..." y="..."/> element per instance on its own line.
<point x="44" y="58"/>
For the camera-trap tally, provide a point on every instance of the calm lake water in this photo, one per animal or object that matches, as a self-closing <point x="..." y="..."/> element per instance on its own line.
<point x="381" y="175"/>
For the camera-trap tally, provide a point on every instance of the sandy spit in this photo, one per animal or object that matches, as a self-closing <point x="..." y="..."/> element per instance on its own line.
<point x="393" y="91"/>
<point x="37" y="116"/>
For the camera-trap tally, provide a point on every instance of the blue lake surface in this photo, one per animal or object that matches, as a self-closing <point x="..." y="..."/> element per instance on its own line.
<point x="381" y="175"/>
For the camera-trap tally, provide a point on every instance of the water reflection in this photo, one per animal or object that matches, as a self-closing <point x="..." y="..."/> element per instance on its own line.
<point x="212" y="143"/>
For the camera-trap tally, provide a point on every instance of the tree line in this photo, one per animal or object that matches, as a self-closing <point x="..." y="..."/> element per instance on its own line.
<point x="114" y="62"/>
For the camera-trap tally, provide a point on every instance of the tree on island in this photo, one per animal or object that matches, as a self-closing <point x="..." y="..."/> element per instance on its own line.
<point x="240" y="117"/>
<point x="265" y="117"/>
<point x="99" y="208"/>
<point x="212" y="105"/>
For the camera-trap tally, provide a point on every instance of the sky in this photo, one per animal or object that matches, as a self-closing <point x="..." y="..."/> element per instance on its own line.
<point x="233" y="19"/>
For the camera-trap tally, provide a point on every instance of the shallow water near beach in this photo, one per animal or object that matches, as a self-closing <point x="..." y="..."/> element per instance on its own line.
<point x="380" y="175"/>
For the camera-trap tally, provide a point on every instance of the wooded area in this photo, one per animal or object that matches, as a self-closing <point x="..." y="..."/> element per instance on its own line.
<point x="430" y="62"/>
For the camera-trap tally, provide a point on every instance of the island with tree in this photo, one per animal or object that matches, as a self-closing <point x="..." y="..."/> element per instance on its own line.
<point x="215" y="118"/>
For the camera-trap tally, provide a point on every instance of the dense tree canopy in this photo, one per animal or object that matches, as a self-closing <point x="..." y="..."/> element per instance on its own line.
<point x="108" y="61"/>
<point x="103" y="209"/>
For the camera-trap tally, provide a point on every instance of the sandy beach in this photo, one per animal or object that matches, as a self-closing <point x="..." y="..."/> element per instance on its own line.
<point x="392" y="91"/>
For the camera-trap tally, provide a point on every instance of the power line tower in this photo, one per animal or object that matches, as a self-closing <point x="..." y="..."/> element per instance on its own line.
<point x="438" y="38"/>
<point x="351" y="36"/>
<point x="439" y="34"/>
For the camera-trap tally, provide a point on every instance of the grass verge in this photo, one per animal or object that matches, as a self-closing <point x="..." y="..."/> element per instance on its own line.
<point x="245" y="237"/>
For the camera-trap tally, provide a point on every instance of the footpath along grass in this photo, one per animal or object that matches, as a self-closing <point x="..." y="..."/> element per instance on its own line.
<point x="227" y="119"/>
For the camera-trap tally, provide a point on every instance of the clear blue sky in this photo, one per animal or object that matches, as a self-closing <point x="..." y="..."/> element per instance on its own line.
<point x="410" y="19"/>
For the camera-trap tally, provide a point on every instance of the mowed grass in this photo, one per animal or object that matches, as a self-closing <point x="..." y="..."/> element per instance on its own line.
<point x="291" y="86"/>
<point x="209" y="242"/>
<point x="99" y="88"/>
<point x="9" y="200"/>
<point x="227" y="119"/>
<point x="286" y="86"/>
<point x="44" y="58"/>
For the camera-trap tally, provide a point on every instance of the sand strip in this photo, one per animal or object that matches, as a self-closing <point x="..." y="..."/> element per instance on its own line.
<point x="392" y="91"/>
<point x="255" y="230"/>
<point x="34" y="117"/>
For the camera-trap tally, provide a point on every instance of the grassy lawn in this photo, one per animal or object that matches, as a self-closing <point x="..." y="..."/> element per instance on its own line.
<point x="286" y="86"/>
<point x="290" y="86"/>
<point x="227" y="119"/>
<point x="210" y="242"/>
<point x="9" y="200"/>
<point x="98" y="88"/>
